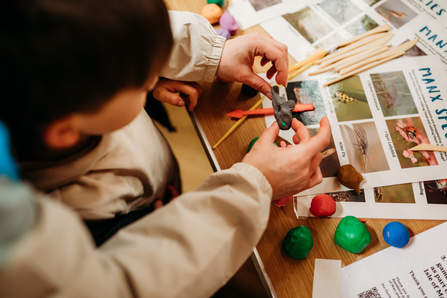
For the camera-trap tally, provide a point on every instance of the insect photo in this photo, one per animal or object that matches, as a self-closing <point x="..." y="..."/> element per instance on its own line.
<point x="411" y="132"/>
<point x="441" y="185"/>
<point x="378" y="193"/>
<point x="435" y="191"/>
<point x="344" y="98"/>
<point x="393" y="93"/>
<point x="363" y="147"/>
<point x="399" y="193"/>
<point x="405" y="133"/>
<point x="362" y="143"/>
<point x="349" y="100"/>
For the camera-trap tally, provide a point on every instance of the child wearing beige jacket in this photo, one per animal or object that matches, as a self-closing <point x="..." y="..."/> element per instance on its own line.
<point x="79" y="72"/>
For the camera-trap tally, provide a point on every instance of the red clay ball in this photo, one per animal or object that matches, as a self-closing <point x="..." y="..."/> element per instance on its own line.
<point x="322" y="206"/>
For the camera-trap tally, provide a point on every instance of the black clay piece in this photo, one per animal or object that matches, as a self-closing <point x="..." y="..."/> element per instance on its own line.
<point x="249" y="91"/>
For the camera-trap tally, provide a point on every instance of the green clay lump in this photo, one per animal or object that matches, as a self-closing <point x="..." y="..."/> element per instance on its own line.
<point x="298" y="242"/>
<point x="352" y="235"/>
<point x="253" y="142"/>
<point x="218" y="2"/>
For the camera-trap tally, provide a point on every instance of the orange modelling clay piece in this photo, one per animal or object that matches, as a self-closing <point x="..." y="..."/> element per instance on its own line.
<point x="212" y="12"/>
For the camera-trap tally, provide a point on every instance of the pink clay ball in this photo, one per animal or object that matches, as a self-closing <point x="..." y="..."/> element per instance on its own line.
<point x="322" y="206"/>
<point x="228" y="22"/>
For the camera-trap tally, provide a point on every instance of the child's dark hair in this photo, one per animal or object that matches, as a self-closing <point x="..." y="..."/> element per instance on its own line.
<point x="60" y="57"/>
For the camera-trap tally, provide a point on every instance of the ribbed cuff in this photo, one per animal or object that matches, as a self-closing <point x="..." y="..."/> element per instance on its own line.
<point x="214" y="58"/>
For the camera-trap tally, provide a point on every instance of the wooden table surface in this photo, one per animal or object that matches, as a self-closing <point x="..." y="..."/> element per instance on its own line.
<point x="289" y="277"/>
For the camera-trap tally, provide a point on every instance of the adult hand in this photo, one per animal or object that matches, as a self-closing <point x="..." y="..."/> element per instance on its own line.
<point x="290" y="169"/>
<point x="236" y="62"/>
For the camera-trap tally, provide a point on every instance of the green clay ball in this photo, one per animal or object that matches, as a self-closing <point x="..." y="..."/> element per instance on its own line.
<point x="298" y="242"/>
<point x="253" y="142"/>
<point x="352" y="235"/>
<point x="218" y="2"/>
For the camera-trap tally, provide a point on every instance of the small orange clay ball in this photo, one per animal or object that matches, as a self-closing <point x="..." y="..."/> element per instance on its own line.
<point x="212" y="12"/>
<point x="322" y="206"/>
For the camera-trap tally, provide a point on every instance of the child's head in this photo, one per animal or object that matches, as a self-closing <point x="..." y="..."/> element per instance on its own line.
<point x="77" y="57"/>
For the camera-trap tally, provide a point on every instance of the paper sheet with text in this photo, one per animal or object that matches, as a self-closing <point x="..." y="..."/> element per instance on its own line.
<point x="419" y="270"/>
<point x="323" y="24"/>
<point x="248" y="13"/>
<point x="376" y="117"/>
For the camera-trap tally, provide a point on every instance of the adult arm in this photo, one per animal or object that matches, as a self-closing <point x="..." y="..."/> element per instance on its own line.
<point x="196" y="50"/>
<point x="199" y="54"/>
<point x="189" y="248"/>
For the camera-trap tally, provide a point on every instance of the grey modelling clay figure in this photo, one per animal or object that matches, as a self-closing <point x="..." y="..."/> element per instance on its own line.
<point x="282" y="109"/>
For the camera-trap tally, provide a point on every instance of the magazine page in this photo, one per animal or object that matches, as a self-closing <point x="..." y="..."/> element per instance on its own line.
<point x="329" y="22"/>
<point x="376" y="117"/>
<point x="248" y="13"/>
<point x="417" y="270"/>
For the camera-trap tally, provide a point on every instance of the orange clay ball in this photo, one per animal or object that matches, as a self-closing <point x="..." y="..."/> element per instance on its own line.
<point x="212" y="12"/>
<point x="322" y="206"/>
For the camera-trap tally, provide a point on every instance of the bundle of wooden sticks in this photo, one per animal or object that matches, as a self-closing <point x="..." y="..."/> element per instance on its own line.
<point x="357" y="54"/>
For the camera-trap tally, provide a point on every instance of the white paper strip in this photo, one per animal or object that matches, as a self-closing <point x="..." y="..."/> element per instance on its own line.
<point x="327" y="277"/>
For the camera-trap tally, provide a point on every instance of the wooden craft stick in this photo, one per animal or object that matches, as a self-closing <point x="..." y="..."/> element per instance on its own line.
<point x="376" y="43"/>
<point x="314" y="51"/>
<point x="321" y="70"/>
<point x="355" y="45"/>
<point x="235" y="125"/>
<point x="348" y="62"/>
<point x="357" y="51"/>
<point x="383" y="28"/>
<point x="318" y="55"/>
<point x="428" y="147"/>
<point x="356" y="57"/>
<point x="352" y="58"/>
<point x="300" y="70"/>
<point x="366" y="67"/>
<point x="402" y="47"/>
